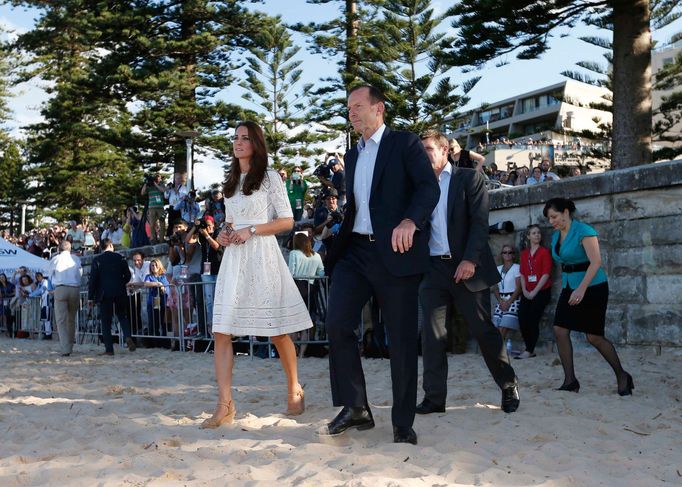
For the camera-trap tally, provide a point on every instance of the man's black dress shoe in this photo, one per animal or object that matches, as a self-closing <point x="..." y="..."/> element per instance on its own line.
<point x="510" y="398"/>
<point x="427" y="407"/>
<point x="404" y="435"/>
<point x="349" y="417"/>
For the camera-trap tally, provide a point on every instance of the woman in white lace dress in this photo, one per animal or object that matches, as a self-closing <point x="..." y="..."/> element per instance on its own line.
<point x="255" y="293"/>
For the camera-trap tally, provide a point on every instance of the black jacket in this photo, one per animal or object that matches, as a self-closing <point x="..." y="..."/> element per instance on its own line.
<point x="403" y="186"/>
<point x="109" y="275"/>
<point x="468" y="227"/>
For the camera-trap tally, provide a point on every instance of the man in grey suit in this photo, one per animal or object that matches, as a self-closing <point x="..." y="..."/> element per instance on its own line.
<point x="462" y="272"/>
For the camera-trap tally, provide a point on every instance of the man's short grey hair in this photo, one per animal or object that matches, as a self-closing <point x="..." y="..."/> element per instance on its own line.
<point x="65" y="245"/>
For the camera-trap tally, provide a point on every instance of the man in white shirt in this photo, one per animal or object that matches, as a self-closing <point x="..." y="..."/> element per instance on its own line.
<point x="138" y="271"/>
<point x="77" y="235"/>
<point x="547" y="175"/>
<point x="65" y="276"/>
<point x="461" y="273"/>
<point x="113" y="232"/>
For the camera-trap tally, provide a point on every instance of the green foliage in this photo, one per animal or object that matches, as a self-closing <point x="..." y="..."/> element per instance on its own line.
<point x="412" y="73"/>
<point x="347" y="39"/>
<point x="668" y="127"/>
<point x="273" y="84"/>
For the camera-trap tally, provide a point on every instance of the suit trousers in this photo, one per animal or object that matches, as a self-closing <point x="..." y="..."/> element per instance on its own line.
<point x="107" y="307"/>
<point x="66" y="303"/>
<point x="359" y="275"/>
<point x="437" y="291"/>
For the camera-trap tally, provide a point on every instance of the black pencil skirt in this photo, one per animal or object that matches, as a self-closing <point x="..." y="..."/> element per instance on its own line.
<point x="589" y="316"/>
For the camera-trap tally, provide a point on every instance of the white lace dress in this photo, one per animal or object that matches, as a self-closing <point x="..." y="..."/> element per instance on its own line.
<point x="255" y="293"/>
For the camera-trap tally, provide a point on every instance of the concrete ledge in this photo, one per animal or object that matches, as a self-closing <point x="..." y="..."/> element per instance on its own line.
<point x="650" y="176"/>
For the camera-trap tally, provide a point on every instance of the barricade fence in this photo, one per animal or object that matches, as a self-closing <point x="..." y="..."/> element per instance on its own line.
<point x="26" y="317"/>
<point x="177" y="316"/>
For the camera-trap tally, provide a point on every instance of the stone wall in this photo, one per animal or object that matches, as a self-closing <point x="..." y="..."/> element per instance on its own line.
<point x="638" y="214"/>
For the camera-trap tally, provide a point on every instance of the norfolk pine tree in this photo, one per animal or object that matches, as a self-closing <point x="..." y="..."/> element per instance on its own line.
<point x="74" y="152"/>
<point x="502" y="26"/>
<point x="420" y="93"/>
<point x="273" y="84"/>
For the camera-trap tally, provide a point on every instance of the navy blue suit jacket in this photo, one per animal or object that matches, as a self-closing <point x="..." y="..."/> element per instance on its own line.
<point x="109" y="275"/>
<point x="403" y="186"/>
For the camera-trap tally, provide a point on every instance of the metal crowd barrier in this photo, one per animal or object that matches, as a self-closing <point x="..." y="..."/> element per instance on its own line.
<point x="21" y="316"/>
<point x="181" y="317"/>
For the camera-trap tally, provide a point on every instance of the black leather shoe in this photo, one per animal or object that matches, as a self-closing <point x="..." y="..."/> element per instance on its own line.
<point x="349" y="417"/>
<point x="510" y="398"/>
<point x="404" y="435"/>
<point x="427" y="407"/>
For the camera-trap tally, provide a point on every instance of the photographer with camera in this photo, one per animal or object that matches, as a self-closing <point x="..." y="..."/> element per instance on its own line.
<point x="211" y="255"/>
<point x="194" y="263"/>
<point x="296" y="190"/>
<point x="328" y="219"/>
<point x="188" y="207"/>
<point x="215" y="207"/>
<point x="174" y="193"/>
<point x="152" y="187"/>
<point x="332" y="176"/>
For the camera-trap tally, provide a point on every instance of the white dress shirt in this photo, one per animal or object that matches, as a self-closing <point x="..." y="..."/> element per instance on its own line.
<point x="65" y="270"/>
<point x="362" y="184"/>
<point x="438" y="242"/>
<point x="137" y="275"/>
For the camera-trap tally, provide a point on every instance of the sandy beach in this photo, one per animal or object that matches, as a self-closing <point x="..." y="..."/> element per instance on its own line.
<point x="133" y="420"/>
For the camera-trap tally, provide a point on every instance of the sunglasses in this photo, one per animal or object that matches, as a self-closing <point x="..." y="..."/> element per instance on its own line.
<point x="506" y="252"/>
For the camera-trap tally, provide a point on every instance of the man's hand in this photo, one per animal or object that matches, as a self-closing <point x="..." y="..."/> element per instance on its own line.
<point x="401" y="240"/>
<point x="465" y="270"/>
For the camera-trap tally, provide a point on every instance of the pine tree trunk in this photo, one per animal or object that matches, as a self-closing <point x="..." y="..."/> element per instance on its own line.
<point x="631" y="84"/>
<point x="351" y="73"/>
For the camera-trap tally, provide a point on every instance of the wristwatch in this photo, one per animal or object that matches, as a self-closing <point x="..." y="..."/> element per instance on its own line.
<point x="252" y="229"/>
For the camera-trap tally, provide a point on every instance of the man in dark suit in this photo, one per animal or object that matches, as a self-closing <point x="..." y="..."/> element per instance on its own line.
<point x="381" y="250"/>
<point x="461" y="273"/>
<point x="109" y="275"/>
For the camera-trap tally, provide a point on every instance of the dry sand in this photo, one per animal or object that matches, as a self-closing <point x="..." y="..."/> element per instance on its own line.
<point x="133" y="419"/>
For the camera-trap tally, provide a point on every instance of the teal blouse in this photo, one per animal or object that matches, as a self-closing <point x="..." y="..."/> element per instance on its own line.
<point x="571" y="251"/>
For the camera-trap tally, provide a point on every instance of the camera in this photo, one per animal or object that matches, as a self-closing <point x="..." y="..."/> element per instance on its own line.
<point x="501" y="227"/>
<point x="323" y="171"/>
<point x="201" y="224"/>
<point x="174" y="239"/>
<point x="336" y="217"/>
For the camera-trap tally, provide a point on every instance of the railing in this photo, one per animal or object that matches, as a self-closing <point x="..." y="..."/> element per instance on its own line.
<point x="22" y="317"/>
<point x="181" y="318"/>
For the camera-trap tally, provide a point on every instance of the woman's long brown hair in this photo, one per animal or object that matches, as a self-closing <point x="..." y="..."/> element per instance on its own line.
<point x="302" y="243"/>
<point x="259" y="163"/>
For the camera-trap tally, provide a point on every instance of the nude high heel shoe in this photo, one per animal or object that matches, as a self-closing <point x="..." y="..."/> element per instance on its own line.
<point x="213" y="422"/>
<point x="296" y="403"/>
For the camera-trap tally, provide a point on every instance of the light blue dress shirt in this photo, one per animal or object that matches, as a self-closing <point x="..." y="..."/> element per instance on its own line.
<point x="438" y="242"/>
<point x="362" y="184"/>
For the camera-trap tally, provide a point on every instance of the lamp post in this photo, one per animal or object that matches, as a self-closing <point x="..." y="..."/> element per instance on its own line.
<point x="188" y="135"/>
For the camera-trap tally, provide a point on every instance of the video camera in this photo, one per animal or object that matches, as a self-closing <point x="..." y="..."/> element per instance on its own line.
<point x="323" y="171"/>
<point x="336" y="217"/>
<point x="201" y="224"/>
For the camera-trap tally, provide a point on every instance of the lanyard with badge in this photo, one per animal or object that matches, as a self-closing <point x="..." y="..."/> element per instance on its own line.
<point x="532" y="277"/>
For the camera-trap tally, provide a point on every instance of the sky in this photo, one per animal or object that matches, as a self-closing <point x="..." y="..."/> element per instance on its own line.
<point x="496" y="83"/>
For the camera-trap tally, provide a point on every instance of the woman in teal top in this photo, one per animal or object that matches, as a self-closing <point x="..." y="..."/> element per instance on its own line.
<point x="584" y="293"/>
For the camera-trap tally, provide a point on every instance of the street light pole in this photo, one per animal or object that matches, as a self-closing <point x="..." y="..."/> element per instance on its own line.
<point x="188" y="135"/>
<point x="23" y="218"/>
<point x="190" y="175"/>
